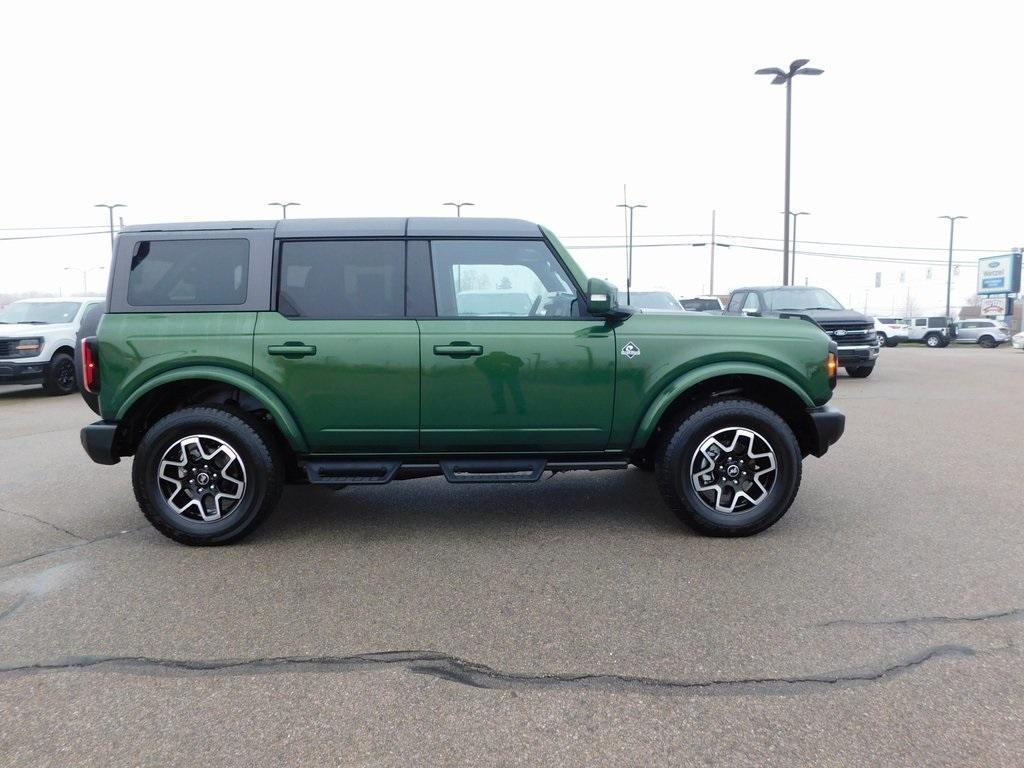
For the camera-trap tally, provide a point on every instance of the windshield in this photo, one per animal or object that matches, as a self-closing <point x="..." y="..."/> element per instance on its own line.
<point x="40" y="312"/>
<point x="653" y="300"/>
<point x="700" y="305"/>
<point x="780" y="299"/>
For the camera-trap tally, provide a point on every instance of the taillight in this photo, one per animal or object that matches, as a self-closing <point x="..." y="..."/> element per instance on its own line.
<point x="90" y="366"/>
<point x="832" y="366"/>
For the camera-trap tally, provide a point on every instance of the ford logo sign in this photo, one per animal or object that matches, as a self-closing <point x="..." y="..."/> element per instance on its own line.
<point x="993" y="264"/>
<point x="840" y="332"/>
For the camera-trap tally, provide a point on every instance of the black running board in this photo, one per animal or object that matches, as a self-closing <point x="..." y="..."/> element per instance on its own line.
<point x="493" y="470"/>
<point x="379" y="472"/>
<point x="351" y="472"/>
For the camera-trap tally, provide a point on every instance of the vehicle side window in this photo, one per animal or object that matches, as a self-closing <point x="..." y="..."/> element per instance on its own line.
<point x="752" y="303"/>
<point x="166" y="273"/>
<point x="736" y="302"/>
<point x="500" y="278"/>
<point x="921" y="323"/>
<point x="335" y="279"/>
<point x="969" y="324"/>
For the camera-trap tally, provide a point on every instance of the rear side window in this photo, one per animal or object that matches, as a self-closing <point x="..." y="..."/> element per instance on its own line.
<point x="336" y="279"/>
<point x="736" y="301"/>
<point x="168" y="273"/>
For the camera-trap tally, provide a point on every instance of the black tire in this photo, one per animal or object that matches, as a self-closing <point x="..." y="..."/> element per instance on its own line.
<point x="679" y="452"/>
<point x="987" y="342"/>
<point x="860" y="372"/>
<point x="262" y="471"/>
<point x="933" y="340"/>
<point x="883" y="340"/>
<point x="60" y="375"/>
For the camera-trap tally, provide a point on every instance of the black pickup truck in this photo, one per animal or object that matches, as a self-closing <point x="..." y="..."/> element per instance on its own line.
<point x="852" y="332"/>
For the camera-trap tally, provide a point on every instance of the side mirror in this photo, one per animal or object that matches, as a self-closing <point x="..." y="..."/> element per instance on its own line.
<point x="602" y="297"/>
<point x="751" y="312"/>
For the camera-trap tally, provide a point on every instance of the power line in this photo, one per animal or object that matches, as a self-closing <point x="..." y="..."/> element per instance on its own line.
<point x="64" y="234"/>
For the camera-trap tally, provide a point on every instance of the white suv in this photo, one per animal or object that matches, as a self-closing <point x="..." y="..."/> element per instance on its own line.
<point x="37" y="341"/>
<point x="891" y="331"/>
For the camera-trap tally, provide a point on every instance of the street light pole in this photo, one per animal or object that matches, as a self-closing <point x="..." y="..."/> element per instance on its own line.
<point x="284" y="208"/>
<point x="629" y="246"/>
<point x="458" y="208"/>
<point x="784" y="77"/>
<point x="711" y="281"/>
<point x="949" y="270"/>
<point x="792" y="271"/>
<point x="110" y="210"/>
<point x="85" y="273"/>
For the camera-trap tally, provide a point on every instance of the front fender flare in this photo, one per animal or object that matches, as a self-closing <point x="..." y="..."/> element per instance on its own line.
<point x="690" y="379"/>
<point x="277" y="409"/>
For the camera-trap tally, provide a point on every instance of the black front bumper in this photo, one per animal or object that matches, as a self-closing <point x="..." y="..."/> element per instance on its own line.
<point x="23" y="373"/>
<point x="98" y="441"/>
<point x="860" y="354"/>
<point x="828" y="426"/>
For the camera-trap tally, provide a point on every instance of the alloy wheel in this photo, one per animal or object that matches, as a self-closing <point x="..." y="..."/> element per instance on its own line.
<point x="733" y="470"/>
<point x="201" y="477"/>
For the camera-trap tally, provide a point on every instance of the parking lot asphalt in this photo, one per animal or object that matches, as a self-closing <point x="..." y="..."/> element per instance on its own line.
<point x="571" y="622"/>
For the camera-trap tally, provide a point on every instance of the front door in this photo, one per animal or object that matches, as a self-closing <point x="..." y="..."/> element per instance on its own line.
<point x="339" y="350"/>
<point x="509" y="364"/>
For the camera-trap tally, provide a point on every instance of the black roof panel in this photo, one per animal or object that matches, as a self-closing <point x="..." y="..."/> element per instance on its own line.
<point x="363" y="227"/>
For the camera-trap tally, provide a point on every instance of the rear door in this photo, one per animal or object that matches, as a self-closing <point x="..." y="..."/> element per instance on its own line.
<point x="509" y="363"/>
<point x="338" y="349"/>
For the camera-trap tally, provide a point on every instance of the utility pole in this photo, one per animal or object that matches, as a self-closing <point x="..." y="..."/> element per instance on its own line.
<point x="949" y="270"/>
<point x="792" y="276"/>
<point x="110" y="211"/>
<point x="629" y="246"/>
<point x="784" y="77"/>
<point x="711" y="283"/>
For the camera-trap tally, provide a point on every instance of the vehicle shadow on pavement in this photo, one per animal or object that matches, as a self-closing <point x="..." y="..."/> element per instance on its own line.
<point x="9" y="392"/>
<point x="576" y="501"/>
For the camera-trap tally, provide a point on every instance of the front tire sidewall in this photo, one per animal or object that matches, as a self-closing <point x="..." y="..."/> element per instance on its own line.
<point x="260" y="474"/>
<point x="61" y="363"/>
<point x="693" y="509"/>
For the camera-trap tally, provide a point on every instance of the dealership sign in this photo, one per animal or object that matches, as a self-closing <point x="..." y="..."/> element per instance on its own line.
<point x="993" y="306"/>
<point x="999" y="274"/>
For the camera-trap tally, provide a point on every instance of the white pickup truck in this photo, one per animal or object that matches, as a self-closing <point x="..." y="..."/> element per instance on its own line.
<point x="37" y="341"/>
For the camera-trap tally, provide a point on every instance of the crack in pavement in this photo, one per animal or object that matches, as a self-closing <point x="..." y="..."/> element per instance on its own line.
<point x="1014" y="613"/>
<point x="55" y="527"/>
<point x="453" y="669"/>
<point x="9" y="610"/>
<point x="66" y="547"/>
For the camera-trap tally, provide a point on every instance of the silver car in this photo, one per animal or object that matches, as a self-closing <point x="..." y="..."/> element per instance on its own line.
<point x="985" y="333"/>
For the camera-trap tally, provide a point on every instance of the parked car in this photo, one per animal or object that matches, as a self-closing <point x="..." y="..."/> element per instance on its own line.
<point x="702" y="304"/>
<point x="657" y="301"/>
<point x="37" y="342"/>
<point x="853" y="332"/>
<point x="1018" y="340"/>
<point x="890" y="331"/>
<point x="236" y="357"/>
<point x="985" y="333"/>
<point x="932" y="331"/>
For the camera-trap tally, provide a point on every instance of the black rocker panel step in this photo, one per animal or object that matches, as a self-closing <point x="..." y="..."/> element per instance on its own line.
<point x="351" y="472"/>
<point x="493" y="470"/>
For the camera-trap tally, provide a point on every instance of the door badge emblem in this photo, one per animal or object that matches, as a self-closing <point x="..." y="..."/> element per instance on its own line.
<point x="631" y="350"/>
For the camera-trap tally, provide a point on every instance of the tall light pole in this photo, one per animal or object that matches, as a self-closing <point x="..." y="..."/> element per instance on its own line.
<point x="85" y="273"/>
<point x="458" y="208"/>
<point x="284" y="208"/>
<point x="792" y="275"/>
<point x="949" y="271"/>
<point x="629" y="246"/>
<point x="785" y="77"/>
<point x="110" y="211"/>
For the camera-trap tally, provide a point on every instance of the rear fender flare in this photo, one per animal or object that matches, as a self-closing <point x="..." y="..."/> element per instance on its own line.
<point x="282" y="416"/>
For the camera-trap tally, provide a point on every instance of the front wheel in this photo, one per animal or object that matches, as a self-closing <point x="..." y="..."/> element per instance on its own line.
<point x="60" y="376"/>
<point x="732" y="468"/>
<point x="860" y="372"/>
<point x="207" y="475"/>
<point x="883" y="340"/>
<point x="987" y="342"/>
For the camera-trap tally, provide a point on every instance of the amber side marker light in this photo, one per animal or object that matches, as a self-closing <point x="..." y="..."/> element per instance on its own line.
<point x="90" y="366"/>
<point x="832" y="366"/>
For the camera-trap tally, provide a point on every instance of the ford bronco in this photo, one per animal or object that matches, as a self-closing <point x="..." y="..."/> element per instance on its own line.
<point x="236" y="357"/>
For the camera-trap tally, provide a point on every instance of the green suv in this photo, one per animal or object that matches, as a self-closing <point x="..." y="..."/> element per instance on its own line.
<point x="237" y="357"/>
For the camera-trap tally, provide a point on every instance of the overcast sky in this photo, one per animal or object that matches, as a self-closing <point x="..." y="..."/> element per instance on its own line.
<point x="199" y="111"/>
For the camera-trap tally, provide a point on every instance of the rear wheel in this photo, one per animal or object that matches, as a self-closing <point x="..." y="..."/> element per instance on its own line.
<point x="60" y="376"/>
<point x="206" y="475"/>
<point x="933" y="340"/>
<point x="860" y="372"/>
<point x="731" y="468"/>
